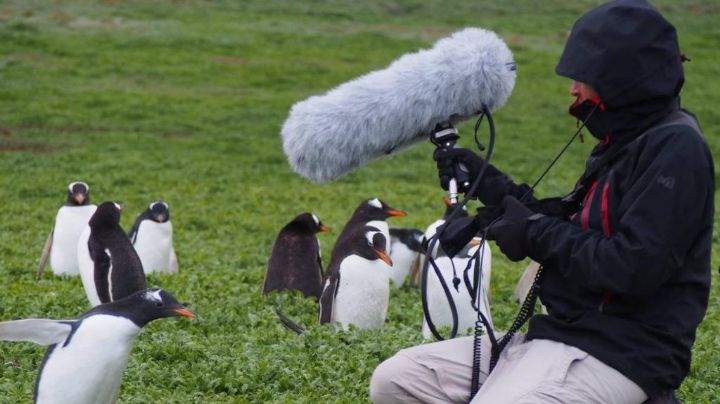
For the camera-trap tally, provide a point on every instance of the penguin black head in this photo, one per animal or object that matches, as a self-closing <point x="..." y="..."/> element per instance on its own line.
<point x="375" y="209"/>
<point x="375" y="246"/>
<point x="412" y="238"/>
<point x="307" y="223"/>
<point x="106" y="215"/>
<point x="145" y="306"/>
<point x="159" y="211"/>
<point x="78" y="194"/>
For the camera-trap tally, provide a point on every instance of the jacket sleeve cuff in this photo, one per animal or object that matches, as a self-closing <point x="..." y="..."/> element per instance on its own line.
<point x="535" y="228"/>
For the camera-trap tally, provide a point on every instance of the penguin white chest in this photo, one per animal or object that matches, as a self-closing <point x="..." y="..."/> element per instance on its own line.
<point x="438" y="305"/>
<point x="154" y="246"/>
<point x="403" y="259"/>
<point x="362" y="294"/>
<point x="69" y="224"/>
<point x="87" y="267"/>
<point x="90" y="368"/>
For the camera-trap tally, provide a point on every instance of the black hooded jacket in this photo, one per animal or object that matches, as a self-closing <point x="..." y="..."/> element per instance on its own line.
<point x="627" y="277"/>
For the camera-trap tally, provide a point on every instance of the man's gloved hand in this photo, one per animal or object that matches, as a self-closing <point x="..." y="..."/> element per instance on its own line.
<point x="455" y="235"/>
<point x="492" y="187"/>
<point x="447" y="159"/>
<point x="510" y="231"/>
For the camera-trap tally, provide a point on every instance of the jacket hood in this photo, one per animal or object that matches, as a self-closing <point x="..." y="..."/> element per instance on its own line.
<point x="627" y="52"/>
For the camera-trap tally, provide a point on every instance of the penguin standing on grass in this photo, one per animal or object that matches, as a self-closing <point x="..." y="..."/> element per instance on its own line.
<point x="71" y="219"/>
<point x="110" y="268"/>
<point x="87" y="356"/>
<point x="152" y="237"/>
<point x="295" y="262"/>
<point x="357" y="288"/>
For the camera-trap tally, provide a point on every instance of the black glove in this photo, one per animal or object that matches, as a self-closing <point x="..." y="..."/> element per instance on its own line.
<point x="494" y="185"/>
<point x="510" y="231"/>
<point x="455" y="235"/>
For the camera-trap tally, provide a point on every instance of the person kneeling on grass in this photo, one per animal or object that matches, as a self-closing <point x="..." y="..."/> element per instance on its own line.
<point x="626" y="272"/>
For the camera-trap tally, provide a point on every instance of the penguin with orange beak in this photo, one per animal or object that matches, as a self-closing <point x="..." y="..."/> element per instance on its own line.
<point x="61" y="245"/>
<point x="87" y="356"/>
<point x="372" y="212"/>
<point x="295" y="262"/>
<point x="357" y="285"/>
<point x="357" y="289"/>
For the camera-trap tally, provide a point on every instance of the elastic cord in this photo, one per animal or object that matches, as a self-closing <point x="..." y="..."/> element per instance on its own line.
<point x="433" y="240"/>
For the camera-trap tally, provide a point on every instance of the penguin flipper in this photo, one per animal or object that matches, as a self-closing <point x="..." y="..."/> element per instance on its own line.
<point x="102" y="266"/>
<point x="39" y="331"/>
<point x="289" y="324"/>
<point x="132" y="234"/>
<point x="45" y="255"/>
<point x="327" y="299"/>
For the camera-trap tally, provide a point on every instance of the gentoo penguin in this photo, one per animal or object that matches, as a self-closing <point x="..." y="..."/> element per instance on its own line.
<point x="370" y="212"/>
<point x="357" y="288"/>
<point x="295" y="262"/>
<point x="151" y="235"/>
<point x="438" y="305"/>
<point x="110" y="268"/>
<point x="429" y="233"/>
<point x="71" y="219"/>
<point x="405" y="251"/>
<point x="86" y="357"/>
<point x="450" y="208"/>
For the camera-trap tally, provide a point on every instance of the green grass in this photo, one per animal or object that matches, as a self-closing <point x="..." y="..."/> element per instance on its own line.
<point x="183" y="100"/>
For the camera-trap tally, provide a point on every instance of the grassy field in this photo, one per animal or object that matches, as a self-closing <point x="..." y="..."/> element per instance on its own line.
<point x="184" y="100"/>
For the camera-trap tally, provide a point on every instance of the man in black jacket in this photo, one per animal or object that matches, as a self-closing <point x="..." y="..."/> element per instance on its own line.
<point x="626" y="271"/>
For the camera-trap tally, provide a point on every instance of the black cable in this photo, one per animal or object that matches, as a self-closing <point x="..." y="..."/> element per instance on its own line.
<point x="526" y="311"/>
<point x="557" y="157"/>
<point x="433" y="240"/>
<point x="528" y="306"/>
<point x="481" y="322"/>
<point x="477" y="126"/>
<point x="423" y="289"/>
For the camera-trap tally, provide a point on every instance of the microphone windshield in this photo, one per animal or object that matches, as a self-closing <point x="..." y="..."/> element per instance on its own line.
<point x="386" y="110"/>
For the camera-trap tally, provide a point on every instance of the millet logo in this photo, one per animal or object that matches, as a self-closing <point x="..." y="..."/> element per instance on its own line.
<point x="667" y="182"/>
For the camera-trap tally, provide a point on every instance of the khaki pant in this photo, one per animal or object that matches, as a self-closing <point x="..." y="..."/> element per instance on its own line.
<point x="537" y="371"/>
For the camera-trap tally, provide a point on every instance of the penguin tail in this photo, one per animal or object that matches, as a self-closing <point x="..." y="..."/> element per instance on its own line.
<point x="289" y="324"/>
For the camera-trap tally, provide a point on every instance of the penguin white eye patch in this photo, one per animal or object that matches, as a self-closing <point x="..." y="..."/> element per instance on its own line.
<point x="154" y="296"/>
<point x="72" y="185"/>
<point x="375" y="202"/>
<point x="161" y="202"/>
<point x="369" y="236"/>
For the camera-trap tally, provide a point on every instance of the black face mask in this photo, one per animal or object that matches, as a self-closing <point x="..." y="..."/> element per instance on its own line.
<point x="608" y="123"/>
<point x="592" y="112"/>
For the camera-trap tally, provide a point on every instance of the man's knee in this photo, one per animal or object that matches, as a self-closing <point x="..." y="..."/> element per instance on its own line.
<point x="387" y="380"/>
